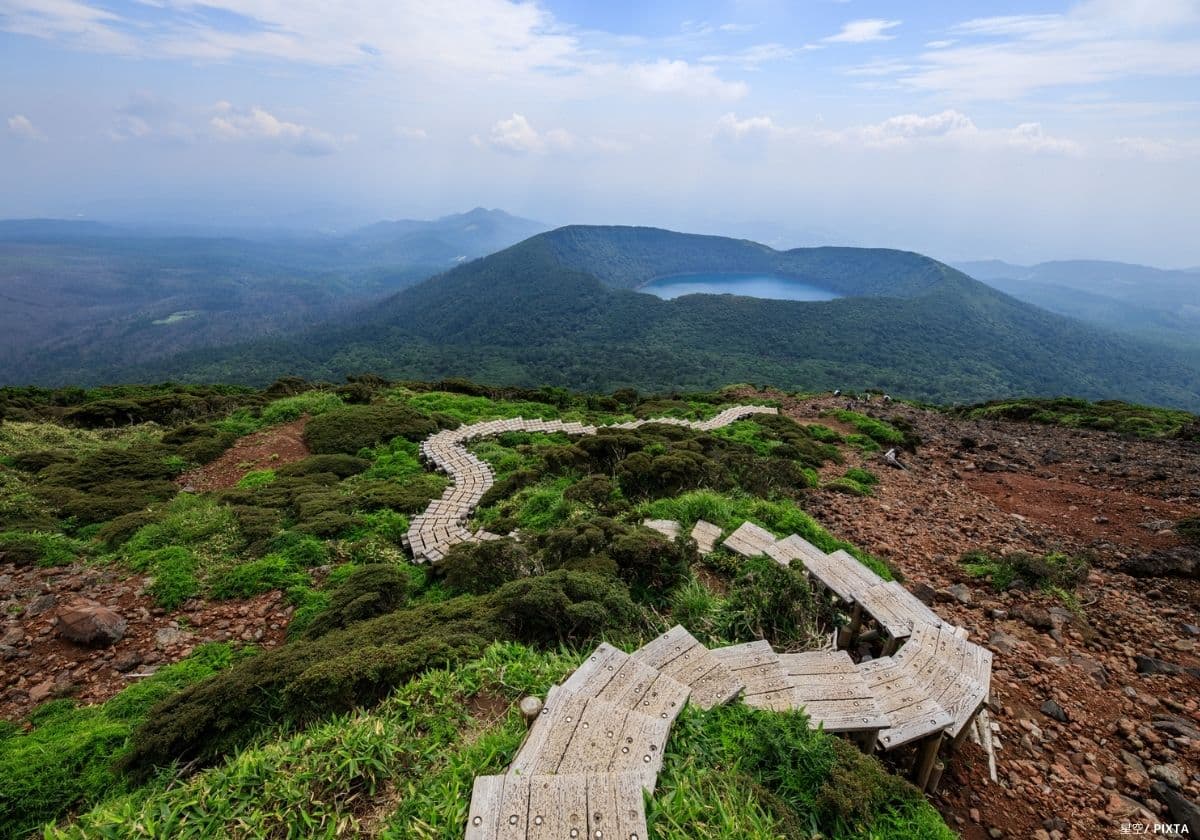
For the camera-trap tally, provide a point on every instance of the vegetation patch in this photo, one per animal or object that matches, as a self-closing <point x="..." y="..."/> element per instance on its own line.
<point x="1105" y="415"/>
<point x="877" y="430"/>
<point x="1057" y="573"/>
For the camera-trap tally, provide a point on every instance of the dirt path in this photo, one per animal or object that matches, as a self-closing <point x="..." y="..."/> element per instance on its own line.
<point x="267" y="449"/>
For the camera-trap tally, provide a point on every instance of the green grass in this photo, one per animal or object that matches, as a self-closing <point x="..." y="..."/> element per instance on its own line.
<point x="63" y="761"/>
<point x="1105" y="415"/>
<point x="877" y="430"/>
<point x="749" y="433"/>
<point x="257" y="478"/>
<point x="293" y="408"/>
<point x="42" y="548"/>
<point x="729" y="511"/>
<point x="406" y="768"/>
<point x="1057" y="573"/>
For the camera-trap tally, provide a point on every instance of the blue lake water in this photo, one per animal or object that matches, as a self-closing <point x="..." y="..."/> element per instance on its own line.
<point x="770" y="286"/>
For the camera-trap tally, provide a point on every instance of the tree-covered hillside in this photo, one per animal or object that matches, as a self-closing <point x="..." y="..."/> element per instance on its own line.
<point x="559" y="309"/>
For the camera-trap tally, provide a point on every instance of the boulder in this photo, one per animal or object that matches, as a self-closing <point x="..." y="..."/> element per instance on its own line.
<point x="960" y="592"/>
<point x="1182" y="809"/>
<point x="1052" y="709"/>
<point x="89" y="623"/>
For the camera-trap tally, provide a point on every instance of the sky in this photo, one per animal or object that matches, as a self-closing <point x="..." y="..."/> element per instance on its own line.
<point x="1021" y="130"/>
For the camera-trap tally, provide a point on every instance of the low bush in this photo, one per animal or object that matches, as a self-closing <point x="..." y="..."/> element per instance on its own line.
<point x="353" y="428"/>
<point x="848" y="486"/>
<point x="256" y="478"/>
<point x="480" y="567"/>
<point x="63" y="760"/>
<point x="286" y="409"/>
<point x="366" y="592"/>
<point x="773" y="602"/>
<point x="40" y="548"/>
<point x="310" y="678"/>
<point x="343" y="466"/>
<point x="246" y="580"/>
<point x="862" y="476"/>
<point x="1056" y="570"/>
<point x="877" y="430"/>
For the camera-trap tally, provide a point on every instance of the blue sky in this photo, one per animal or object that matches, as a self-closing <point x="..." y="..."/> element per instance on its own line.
<point x="1023" y="131"/>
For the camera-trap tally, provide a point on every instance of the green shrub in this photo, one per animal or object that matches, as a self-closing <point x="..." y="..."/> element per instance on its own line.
<point x="256" y="478"/>
<point x="877" y="430"/>
<point x="480" y="567"/>
<point x="770" y="601"/>
<point x="310" y="678"/>
<point x="62" y="762"/>
<point x="1054" y="571"/>
<point x="565" y="606"/>
<point x="848" y="486"/>
<point x="862" y="476"/>
<point x="115" y="533"/>
<point x="366" y="592"/>
<point x="174" y="572"/>
<point x="343" y="466"/>
<point x="249" y="579"/>
<point x="199" y="443"/>
<point x="353" y="428"/>
<point x="40" y="548"/>
<point x="292" y="408"/>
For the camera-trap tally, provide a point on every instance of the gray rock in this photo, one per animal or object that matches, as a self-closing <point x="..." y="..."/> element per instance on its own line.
<point x="40" y="604"/>
<point x="1150" y="665"/>
<point x="960" y="592"/>
<point x="924" y="593"/>
<point x="168" y="636"/>
<point x="1183" y="810"/>
<point x="1052" y="709"/>
<point x="1168" y="773"/>
<point x="1191" y="629"/>
<point x="1002" y="642"/>
<point x="88" y="623"/>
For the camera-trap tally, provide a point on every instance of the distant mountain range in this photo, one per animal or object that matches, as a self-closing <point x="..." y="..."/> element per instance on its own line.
<point x="1157" y="304"/>
<point x="562" y="308"/>
<point x="81" y="298"/>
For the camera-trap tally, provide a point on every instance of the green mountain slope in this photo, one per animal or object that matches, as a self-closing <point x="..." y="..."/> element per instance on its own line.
<point x="560" y="309"/>
<point x="1151" y="303"/>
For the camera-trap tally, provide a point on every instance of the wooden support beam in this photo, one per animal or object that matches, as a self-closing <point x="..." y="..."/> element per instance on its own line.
<point x="927" y="754"/>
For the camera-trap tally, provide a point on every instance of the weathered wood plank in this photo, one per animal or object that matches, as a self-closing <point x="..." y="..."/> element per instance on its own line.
<point x="596" y="672"/>
<point x="595" y="740"/>
<point x="514" y="809"/>
<point x="550" y="734"/>
<point x="748" y="655"/>
<point x="706" y="535"/>
<point x="677" y="654"/>
<point x="483" y="817"/>
<point x="557" y="806"/>
<point x="750" y="540"/>
<point x="630" y="809"/>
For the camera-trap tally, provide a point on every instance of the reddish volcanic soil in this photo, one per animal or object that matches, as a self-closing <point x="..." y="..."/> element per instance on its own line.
<point x="263" y="450"/>
<point x="1008" y="486"/>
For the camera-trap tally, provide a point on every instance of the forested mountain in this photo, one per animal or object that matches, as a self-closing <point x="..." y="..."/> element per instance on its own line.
<point x="79" y="298"/>
<point x="561" y="309"/>
<point x="1154" y="303"/>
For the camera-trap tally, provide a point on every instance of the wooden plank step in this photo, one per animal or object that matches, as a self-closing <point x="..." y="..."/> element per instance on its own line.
<point x="616" y="677"/>
<point x="680" y="656"/>
<point x="557" y="807"/>
<point x="706" y="535"/>
<point x="758" y="666"/>
<point x="750" y="540"/>
<point x="576" y="734"/>
<point x="669" y="528"/>
<point x="832" y="691"/>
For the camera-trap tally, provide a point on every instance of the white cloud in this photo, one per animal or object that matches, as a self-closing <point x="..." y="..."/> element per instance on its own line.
<point x="258" y="125"/>
<point x="752" y="56"/>
<point x="864" y="31"/>
<point x="940" y="45"/>
<point x="949" y="129"/>
<point x="518" y="136"/>
<point x="1158" y="150"/>
<point x="463" y="44"/>
<point x="739" y="129"/>
<point x="1012" y="56"/>
<point x="407" y="132"/>
<point x="22" y="127"/>
<point x="666" y="76"/>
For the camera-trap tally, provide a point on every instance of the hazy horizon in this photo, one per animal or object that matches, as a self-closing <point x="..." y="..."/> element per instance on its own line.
<point x="1024" y="132"/>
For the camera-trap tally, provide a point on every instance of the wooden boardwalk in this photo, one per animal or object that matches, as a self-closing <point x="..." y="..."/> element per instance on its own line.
<point x="599" y="740"/>
<point x="443" y="524"/>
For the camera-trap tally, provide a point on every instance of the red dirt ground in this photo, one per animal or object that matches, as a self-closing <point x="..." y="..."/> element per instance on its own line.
<point x="267" y="449"/>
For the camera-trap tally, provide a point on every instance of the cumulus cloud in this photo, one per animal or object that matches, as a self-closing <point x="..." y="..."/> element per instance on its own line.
<point x="752" y="56"/>
<point x="864" y="31"/>
<point x="680" y="77"/>
<point x="949" y="129"/>
<point x="518" y="136"/>
<point x="258" y="125"/>
<point x="21" y="127"/>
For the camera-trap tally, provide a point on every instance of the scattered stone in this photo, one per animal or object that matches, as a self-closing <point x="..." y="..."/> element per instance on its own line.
<point x="1052" y="709"/>
<point x="40" y="604"/>
<point x="88" y="623"/>
<point x="924" y="593"/>
<point x="1182" y="810"/>
<point x="126" y="662"/>
<point x="960" y="592"/>
<point x="1167" y="773"/>
<point x="41" y="692"/>
<point x="168" y="636"/>
<point x="1002" y="642"/>
<point x="1035" y="617"/>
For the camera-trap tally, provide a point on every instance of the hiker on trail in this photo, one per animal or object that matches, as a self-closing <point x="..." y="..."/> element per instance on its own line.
<point x="891" y="459"/>
<point x="837" y="392"/>
<point x="887" y="397"/>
